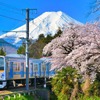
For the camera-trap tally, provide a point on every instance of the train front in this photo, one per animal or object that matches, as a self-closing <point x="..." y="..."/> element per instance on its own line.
<point x="2" y="72"/>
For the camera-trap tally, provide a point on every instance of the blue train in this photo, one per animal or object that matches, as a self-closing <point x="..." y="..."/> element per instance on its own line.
<point x="13" y="69"/>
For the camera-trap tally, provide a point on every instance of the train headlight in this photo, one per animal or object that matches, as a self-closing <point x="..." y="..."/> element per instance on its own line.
<point x="2" y="75"/>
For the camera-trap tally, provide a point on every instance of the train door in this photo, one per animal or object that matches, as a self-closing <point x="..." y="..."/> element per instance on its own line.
<point x="11" y="70"/>
<point x="7" y="70"/>
<point x="22" y="69"/>
<point x="31" y="69"/>
<point x="43" y="69"/>
<point x="47" y="69"/>
<point x="35" y="68"/>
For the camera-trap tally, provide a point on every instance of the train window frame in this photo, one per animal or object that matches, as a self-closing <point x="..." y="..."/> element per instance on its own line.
<point x="22" y="65"/>
<point x="35" y="68"/>
<point x="15" y="66"/>
<point x="43" y="67"/>
<point x="2" y="68"/>
<point x="17" y="69"/>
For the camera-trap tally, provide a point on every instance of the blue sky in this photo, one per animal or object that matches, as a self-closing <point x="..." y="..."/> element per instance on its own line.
<point x="12" y="16"/>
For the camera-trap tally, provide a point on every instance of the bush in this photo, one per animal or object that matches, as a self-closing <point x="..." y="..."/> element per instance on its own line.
<point x="64" y="83"/>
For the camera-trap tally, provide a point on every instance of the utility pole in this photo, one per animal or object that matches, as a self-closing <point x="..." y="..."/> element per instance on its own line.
<point x="27" y="51"/>
<point x="27" y="47"/>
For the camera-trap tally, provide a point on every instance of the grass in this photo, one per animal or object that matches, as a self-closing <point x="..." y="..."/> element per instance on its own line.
<point x="89" y="98"/>
<point x="20" y="97"/>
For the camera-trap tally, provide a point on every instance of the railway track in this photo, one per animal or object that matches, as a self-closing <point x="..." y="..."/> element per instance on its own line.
<point x="12" y="90"/>
<point x="19" y="88"/>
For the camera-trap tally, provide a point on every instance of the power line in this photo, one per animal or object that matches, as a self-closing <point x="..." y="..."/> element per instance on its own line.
<point x="14" y="26"/>
<point x="11" y="41"/>
<point x="9" y="6"/>
<point x="15" y="31"/>
<point x="11" y="18"/>
<point x="10" y="11"/>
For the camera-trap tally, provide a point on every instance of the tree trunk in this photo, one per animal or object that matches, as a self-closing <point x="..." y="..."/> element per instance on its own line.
<point x="86" y="85"/>
<point x="74" y="92"/>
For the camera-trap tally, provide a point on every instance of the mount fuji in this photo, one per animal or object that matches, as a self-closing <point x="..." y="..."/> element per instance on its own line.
<point x="47" y="23"/>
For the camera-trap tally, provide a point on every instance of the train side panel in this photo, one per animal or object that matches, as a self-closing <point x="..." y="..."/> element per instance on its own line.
<point x="15" y="68"/>
<point x="2" y="69"/>
<point x="37" y="67"/>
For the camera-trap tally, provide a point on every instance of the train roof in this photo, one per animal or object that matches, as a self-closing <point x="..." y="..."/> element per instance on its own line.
<point x="46" y="59"/>
<point x="16" y="55"/>
<point x="37" y="60"/>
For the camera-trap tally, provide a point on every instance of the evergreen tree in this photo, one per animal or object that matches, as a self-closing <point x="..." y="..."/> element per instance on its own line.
<point x="2" y="52"/>
<point x="59" y="32"/>
<point x="21" y="49"/>
<point x="48" y="38"/>
<point x="36" y="48"/>
<point x="65" y="83"/>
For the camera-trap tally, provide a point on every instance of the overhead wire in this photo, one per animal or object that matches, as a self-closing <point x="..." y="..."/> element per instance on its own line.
<point x="11" y="18"/>
<point x="6" y="7"/>
<point x="14" y="10"/>
<point x="9" y="6"/>
<point x="8" y="10"/>
<point x="11" y="42"/>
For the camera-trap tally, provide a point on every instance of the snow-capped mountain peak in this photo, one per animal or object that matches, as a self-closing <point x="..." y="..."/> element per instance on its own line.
<point x="47" y="23"/>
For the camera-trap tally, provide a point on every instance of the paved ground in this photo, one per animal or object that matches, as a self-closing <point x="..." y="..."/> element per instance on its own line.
<point x="16" y="90"/>
<point x="5" y="92"/>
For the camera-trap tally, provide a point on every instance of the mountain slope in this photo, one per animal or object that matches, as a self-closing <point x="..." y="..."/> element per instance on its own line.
<point x="47" y="23"/>
<point x="7" y="47"/>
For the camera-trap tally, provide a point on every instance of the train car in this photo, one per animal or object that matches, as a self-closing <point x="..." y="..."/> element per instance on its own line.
<point x="46" y="66"/>
<point x="13" y="69"/>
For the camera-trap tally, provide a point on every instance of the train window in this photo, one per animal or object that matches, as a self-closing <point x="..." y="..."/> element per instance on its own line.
<point x="43" y="67"/>
<point x="15" y="66"/>
<point x="18" y="68"/>
<point x="1" y="63"/>
<point x="35" y="67"/>
<point x="31" y="66"/>
<point x="22" y="66"/>
<point x="8" y="66"/>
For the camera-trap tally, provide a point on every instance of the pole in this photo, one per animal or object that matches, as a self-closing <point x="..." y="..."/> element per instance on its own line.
<point x="45" y="79"/>
<point x="35" y="81"/>
<point x="27" y="51"/>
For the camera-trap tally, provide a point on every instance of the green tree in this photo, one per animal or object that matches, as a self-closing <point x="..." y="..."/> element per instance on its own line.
<point x="65" y="84"/>
<point x="2" y="52"/>
<point x="59" y="32"/>
<point x="36" y="48"/>
<point x="48" y="38"/>
<point x="21" y="49"/>
<point x="95" y="86"/>
<point x="41" y="37"/>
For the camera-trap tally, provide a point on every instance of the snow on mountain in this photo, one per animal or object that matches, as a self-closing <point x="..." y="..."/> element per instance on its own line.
<point x="47" y="23"/>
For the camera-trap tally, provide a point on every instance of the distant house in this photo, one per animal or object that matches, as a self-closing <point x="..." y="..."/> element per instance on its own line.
<point x="7" y="47"/>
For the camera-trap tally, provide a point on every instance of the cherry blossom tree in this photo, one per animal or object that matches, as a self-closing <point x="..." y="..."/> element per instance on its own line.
<point x="79" y="47"/>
